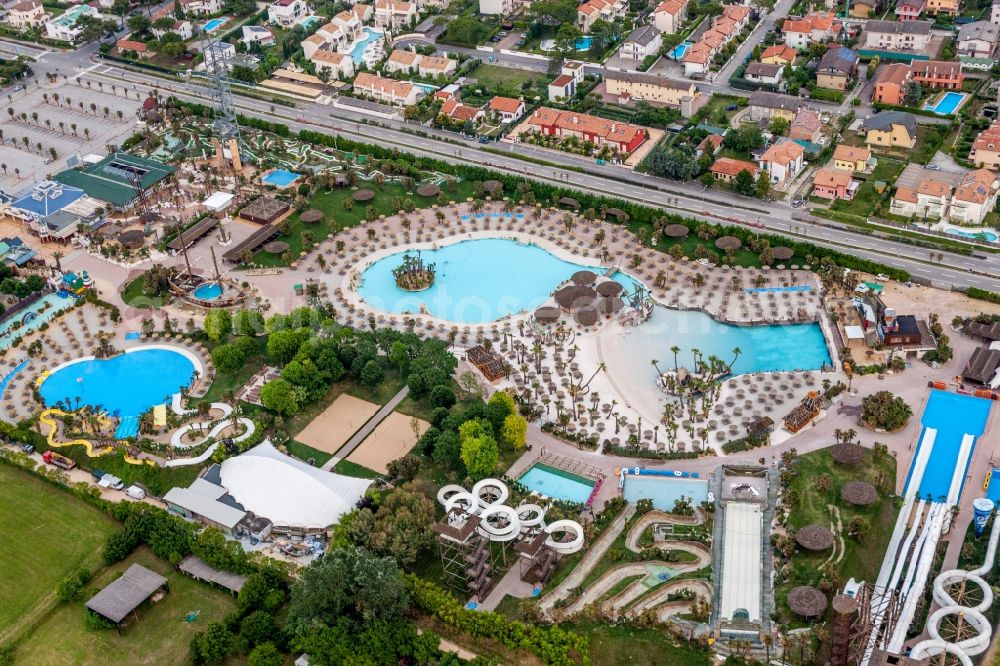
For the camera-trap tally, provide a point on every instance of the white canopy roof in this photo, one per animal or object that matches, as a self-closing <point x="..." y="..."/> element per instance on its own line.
<point x="854" y="332"/>
<point x="218" y="201"/>
<point x="288" y="491"/>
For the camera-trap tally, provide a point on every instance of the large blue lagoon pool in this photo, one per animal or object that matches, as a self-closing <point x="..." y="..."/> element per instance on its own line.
<point x="477" y="281"/>
<point x="125" y="385"/>
<point x="780" y="348"/>
<point x="953" y="416"/>
<point x="664" y="491"/>
<point x="557" y="484"/>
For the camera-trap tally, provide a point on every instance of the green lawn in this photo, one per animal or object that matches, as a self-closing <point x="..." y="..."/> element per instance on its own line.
<point x="132" y="295"/>
<point x="159" y="635"/>
<point x="47" y="534"/>
<point x="349" y="468"/>
<point x="864" y="201"/>
<point x="305" y="452"/>
<point x="389" y="198"/>
<point x="861" y="560"/>
<point x="505" y="80"/>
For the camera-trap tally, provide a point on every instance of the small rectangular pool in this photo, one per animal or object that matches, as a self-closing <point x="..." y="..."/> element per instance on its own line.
<point x="948" y="103"/>
<point x="556" y="483"/>
<point x="664" y="491"/>
<point x="279" y="178"/>
<point x="213" y="25"/>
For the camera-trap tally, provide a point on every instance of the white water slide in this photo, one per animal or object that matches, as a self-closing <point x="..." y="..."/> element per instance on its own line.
<point x="910" y="554"/>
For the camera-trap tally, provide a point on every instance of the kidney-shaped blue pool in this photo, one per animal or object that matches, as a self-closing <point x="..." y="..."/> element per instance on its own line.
<point x="124" y="385"/>
<point x="476" y="281"/>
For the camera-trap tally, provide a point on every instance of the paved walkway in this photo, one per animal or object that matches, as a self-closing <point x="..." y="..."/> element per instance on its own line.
<point x="367" y="428"/>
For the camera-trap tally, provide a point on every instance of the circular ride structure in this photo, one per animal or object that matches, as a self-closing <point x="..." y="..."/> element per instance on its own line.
<point x="961" y="615"/>
<point x="500" y="522"/>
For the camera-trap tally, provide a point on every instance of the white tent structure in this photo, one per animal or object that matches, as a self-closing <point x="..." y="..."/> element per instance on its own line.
<point x="288" y="491"/>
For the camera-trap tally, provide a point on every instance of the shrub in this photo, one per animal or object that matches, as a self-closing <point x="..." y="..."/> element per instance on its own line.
<point x="71" y="587"/>
<point x="885" y="411"/>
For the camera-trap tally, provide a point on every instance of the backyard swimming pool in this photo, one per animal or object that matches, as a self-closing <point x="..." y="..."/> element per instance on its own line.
<point x="208" y="291"/>
<point x="556" y="483"/>
<point x="984" y="234"/>
<point x="280" y="178"/>
<point x="582" y="44"/>
<point x="125" y="385"/>
<point x="475" y="282"/>
<point x="358" y="52"/>
<point x="953" y="416"/>
<point x="680" y="50"/>
<point x="213" y="25"/>
<point x="776" y="348"/>
<point x="664" y="491"/>
<point x="948" y="103"/>
<point x="32" y="317"/>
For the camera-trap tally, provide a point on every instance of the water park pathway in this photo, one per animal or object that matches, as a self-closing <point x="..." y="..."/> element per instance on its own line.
<point x="365" y="430"/>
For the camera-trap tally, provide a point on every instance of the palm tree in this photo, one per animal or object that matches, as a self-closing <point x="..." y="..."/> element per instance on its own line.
<point x="736" y="354"/>
<point x="676" y="350"/>
<point x="17" y="172"/>
<point x="57" y="255"/>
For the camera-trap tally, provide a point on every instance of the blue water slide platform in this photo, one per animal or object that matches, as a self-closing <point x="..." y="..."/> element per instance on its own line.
<point x="128" y="427"/>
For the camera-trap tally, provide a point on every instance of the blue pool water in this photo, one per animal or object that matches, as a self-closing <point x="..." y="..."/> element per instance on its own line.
<point x="985" y="234"/>
<point x="309" y="20"/>
<point x="680" y="50"/>
<point x="556" y="483"/>
<point x="358" y="52"/>
<point x="778" y="348"/>
<point x="477" y="281"/>
<point x="126" y="385"/>
<point x="664" y="491"/>
<point x="280" y="178"/>
<point x="947" y="104"/>
<point x="584" y="43"/>
<point x="208" y="291"/>
<point x="10" y="375"/>
<point x="32" y="317"/>
<point x="953" y="416"/>
<point x="213" y="25"/>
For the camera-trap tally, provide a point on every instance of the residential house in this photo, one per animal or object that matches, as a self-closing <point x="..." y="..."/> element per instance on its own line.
<point x="902" y="36"/>
<point x="938" y="74"/>
<point x="287" y="13"/>
<point x="768" y="105"/>
<point x="138" y="48"/>
<point x="395" y="14"/>
<point x="364" y="13"/>
<point x="834" y="184"/>
<point x="592" y="10"/>
<point x="462" y="113"/>
<point x="201" y="7"/>
<point x="726" y="169"/>
<point x="182" y="29"/>
<point x="862" y="8"/>
<point x="890" y="84"/>
<point x="26" y="15"/>
<point x="669" y="15"/>
<point x="432" y="67"/>
<point x="782" y="161"/>
<point x="506" y="109"/>
<point x="837" y="68"/>
<point x="978" y="39"/>
<point x="698" y="58"/>
<point x="986" y="148"/>
<point x="779" y="54"/>
<point x="501" y="7"/>
<point x="975" y="196"/>
<point x="402" y="60"/>
<point x="622" y="137"/>
<point x="710" y="144"/>
<point x="562" y="88"/>
<point x="853" y="158"/>
<point x="947" y="7"/>
<point x="258" y="34"/>
<point x="995" y="12"/>
<point x="641" y="43"/>
<point x="806" y="126"/>
<point x="723" y="29"/>
<point x="336" y="65"/>
<point x="890" y="129"/>
<point x="63" y="27"/>
<point x="389" y="91"/>
<point x="682" y="95"/>
<point x="909" y="10"/>
<point x="760" y="72"/>
<point x="819" y="27"/>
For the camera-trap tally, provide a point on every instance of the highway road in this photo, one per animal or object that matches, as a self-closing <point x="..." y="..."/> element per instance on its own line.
<point x="684" y="198"/>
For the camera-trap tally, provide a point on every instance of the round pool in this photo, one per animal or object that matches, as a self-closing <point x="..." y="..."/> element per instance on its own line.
<point x="125" y="385"/>
<point x="207" y="291"/>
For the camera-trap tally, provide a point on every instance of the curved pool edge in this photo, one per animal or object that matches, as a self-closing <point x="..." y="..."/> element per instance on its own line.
<point x="195" y="361"/>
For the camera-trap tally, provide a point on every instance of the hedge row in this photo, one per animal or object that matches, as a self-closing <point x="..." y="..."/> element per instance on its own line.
<point x="983" y="295"/>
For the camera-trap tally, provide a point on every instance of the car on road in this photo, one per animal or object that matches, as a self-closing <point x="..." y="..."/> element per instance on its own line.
<point x="638" y="98"/>
<point x="732" y="107"/>
<point x="933" y="167"/>
<point x="882" y="277"/>
<point x="797" y="203"/>
<point x="17" y="88"/>
<point x="27" y="448"/>
<point x="524" y="35"/>
<point x="484" y="140"/>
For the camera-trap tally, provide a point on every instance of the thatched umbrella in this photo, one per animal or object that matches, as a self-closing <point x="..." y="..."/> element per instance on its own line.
<point x="547" y="314"/>
<point x="362" y="195"/>
<point x="844" y="604"/>
<point x="617" y="213"/>
<point x="728" y="243"/>
<point x="341" y="180"/>
<point x="428" y="190"/>
<point x="807" y="601"/>
<point x="609" y="288"/>
<point x="847" y="454"/>
<point x="276" y="247"/>
<point x="859" y="493"/>
<point x="814" y="537"/>
<point x="311" y="215"/>
<point x="782" y="253"/>
<point x="575" y="296"/>
<point x="676" y="231"/>
<point x="586" y="316"/>
<point x="609" y="306"/>
<point x="584" y="277"/>
<point x="131" y="239"/>
<point x="569" y="202"/>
